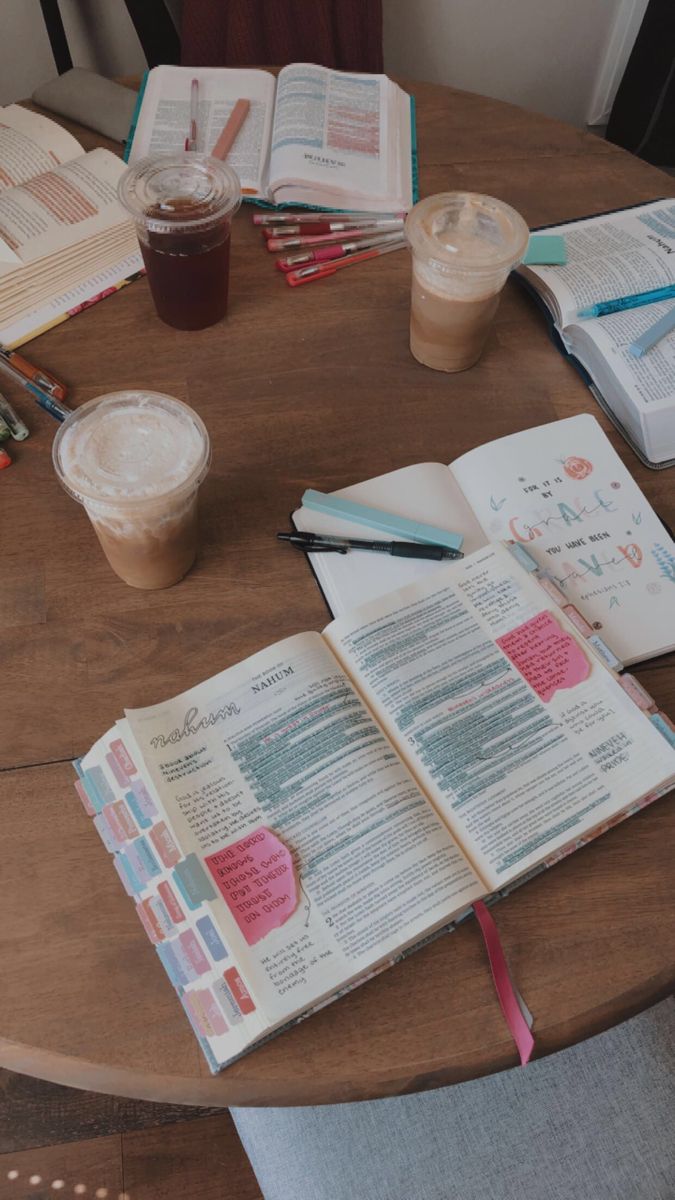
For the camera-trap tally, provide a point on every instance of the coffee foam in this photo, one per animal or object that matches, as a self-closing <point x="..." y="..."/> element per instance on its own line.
<point x="141" y="450"/>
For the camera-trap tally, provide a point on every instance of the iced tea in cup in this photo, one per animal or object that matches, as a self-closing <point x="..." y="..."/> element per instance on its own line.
<point x="463" y="247"/>
<point x="182" y="205"/>
<point x="135" y="461"/>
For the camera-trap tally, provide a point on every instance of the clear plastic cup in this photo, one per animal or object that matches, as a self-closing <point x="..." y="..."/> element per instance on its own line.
<point x="135" y="461"/>
<point x="182" y="205"/>
<point x="463" y="247"/>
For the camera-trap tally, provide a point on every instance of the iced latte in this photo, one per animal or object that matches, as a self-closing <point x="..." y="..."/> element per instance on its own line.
<point x="135" y="461"/>
<point x="463" y="247"/>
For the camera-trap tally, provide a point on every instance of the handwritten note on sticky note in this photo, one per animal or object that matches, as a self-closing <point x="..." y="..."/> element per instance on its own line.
<point x="546" y="656"/>
<point x="256" y="879"/>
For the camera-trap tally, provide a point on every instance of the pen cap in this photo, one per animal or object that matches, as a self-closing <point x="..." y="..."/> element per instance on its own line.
<point x="464" y="244"/>
<point x="184" y="197"/>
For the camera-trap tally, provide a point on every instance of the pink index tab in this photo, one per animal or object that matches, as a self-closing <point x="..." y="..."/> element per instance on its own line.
<point x="172" y="906"/>
<point x="578" y="620"/>
<point x="120" y="752"/>
<point x="86" y="802"/>
<point x="120" y="775"/>
<point x="209" y="1017"/>
<point x="194" y="951"/>
<point x="164" y="844"/>
<point x="547" y="657"/>
<point x="513" y="1014"/>
<point x="124" y="818"/>
<point x="256" y="879"/>
<point x="637" y="693"/>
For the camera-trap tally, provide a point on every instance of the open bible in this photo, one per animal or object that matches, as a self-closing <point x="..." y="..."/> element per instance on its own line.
<point x="297" y="822"/>
<point x="313" y="136"/>
<point x="64" y="239"/>
<point x="608" y="257"/>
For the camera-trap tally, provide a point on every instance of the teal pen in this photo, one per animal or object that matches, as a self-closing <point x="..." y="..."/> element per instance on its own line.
<point x="605" y="307"/>
<point x="375" y="518"/>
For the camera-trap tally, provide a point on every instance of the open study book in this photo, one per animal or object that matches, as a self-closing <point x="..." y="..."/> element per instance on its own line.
<point x="609" y="256"/>
<point x="296" y="823"/>
<point x="313" y="136"/>
<point x="64" y="239"/>
<point x="562" y="491"/>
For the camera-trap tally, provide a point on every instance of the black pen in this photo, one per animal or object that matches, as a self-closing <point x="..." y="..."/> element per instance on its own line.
<point x="340" y="545"/>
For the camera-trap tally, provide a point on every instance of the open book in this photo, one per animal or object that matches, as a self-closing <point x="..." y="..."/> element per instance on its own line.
<point x="562" y="491"/>
<point x="64" y="239"/>
<point x="294" y="824"/>
<point x="312" y="136"/>
<point x="610" y="256"/>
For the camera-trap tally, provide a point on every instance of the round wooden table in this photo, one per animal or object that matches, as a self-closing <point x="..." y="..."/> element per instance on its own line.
<point x="308" y="387"/>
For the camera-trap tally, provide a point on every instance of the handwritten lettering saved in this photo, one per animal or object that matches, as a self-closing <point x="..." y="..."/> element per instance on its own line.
<point x="256" y="879"/>
<point x="547" y="657"/>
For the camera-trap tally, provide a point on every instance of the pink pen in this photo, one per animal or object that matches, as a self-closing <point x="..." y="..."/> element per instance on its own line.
<point x="311" y="228"/>
<point x="326" y="253"/>
<point x="191" y="139"/>
<point x="292" y="218"/>
<point x="321" y="239"/>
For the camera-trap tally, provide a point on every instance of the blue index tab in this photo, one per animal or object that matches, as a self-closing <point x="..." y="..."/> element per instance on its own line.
<point x="89" y="781"/>
<point x="145" y="853"/>
<point x="129" y="873"/>
<point x="171" y="965"/>
<point x="106" y="834"/>
<point x="141" y="820"/>
<point x="608" y="656"/>
<point x="211" y="939"/>
<point x="375" y="518"/>
<point x="659" y="722"/>
<point x="521" y="555"/>
<point x="193" y="882"/>
<point x="546" y="249"/>
<point x="97" y="777"/>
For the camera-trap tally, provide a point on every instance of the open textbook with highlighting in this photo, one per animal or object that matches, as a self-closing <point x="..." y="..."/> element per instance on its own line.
<point x="312" y="136"/>
<point x="64" y="239"/>
<point x="610" y="256"/>
<point x="560" y="490"/>
<point x="301" y="820"/>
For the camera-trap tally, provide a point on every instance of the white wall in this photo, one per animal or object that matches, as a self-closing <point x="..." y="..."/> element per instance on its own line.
<point x="561" y="57"/>
<point x="547" y="55"/>
<point x="100" y="34"/>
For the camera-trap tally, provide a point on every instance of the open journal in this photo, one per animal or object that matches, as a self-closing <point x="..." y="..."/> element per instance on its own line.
<point x="609" y="256"/>
<point x="313" y="136"/>
<point x="64" y="239"/>
<point x="299" y="821"/>
<point x="562" y="491"/>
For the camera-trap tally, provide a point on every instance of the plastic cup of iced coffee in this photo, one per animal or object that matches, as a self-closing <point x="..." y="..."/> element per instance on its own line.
<point x="135" y="460"/>
<point x="463" y="247"/>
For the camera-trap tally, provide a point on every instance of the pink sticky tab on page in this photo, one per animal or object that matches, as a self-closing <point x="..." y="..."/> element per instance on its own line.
<point x="256" y="879"/>
<point x="546" y="655"/>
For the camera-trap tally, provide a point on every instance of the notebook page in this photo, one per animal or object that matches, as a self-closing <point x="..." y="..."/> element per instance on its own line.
<point x="423" y="492"/>
<point x="562" y="490"/>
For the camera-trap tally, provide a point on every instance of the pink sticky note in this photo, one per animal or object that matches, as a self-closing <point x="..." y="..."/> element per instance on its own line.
<point x="256" y="879"/>
<point x="546" y="656"/>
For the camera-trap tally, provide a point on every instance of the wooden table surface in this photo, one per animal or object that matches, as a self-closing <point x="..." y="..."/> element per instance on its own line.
<point x="310" y="387"/>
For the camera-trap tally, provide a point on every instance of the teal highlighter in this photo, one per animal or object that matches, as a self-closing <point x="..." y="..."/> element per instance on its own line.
<point x="375" y="518"/>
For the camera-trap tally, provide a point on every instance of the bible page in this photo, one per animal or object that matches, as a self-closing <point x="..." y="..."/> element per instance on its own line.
<point x="164" y="121"/>
<point x="281" y="751"/>
<point x="609" y="257"/>
<point x="31" y="144"/>
<point x="330" y="132"/>
<point x="520" y="736"/>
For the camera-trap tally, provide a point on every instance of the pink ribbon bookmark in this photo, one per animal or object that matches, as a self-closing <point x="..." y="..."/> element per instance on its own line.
<point x="512" y="1006"/>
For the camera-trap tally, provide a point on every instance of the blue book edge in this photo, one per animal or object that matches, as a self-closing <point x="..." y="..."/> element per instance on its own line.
<point x="134" y="119"/>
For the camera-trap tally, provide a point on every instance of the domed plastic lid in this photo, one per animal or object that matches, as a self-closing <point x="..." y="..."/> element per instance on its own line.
<point x="466" y="232"/>
<point x="172" y="192"/>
